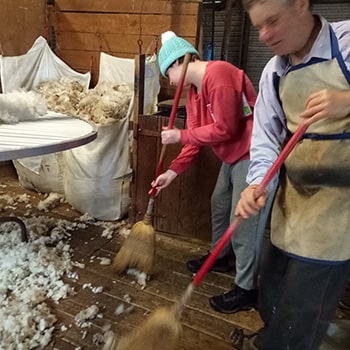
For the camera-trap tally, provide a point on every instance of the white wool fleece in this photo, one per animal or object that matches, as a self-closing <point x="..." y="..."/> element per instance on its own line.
<point x="21" y="105"/>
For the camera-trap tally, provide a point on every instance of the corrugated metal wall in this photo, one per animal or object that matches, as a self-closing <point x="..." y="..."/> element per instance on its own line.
<point x="258" y="53"/>
<point x="235" y="34"/>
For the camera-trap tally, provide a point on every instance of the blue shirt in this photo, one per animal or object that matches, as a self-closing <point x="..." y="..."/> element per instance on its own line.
<point x="270" y="133"/>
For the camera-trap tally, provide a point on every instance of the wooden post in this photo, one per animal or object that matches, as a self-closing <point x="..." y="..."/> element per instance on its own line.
<point x="139" y="90"/>
<point x="244" y="41"/>
<point x="227" y="29"/>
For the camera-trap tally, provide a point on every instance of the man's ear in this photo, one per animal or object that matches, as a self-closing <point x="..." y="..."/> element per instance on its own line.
<point x="302" y="5"/>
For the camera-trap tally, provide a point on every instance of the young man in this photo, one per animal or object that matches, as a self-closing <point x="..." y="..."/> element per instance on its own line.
<point x="219" y="108"/>
<point x="306" y="266"/>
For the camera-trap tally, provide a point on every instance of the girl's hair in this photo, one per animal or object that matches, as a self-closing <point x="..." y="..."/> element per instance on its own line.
<point x="193" y="58"/>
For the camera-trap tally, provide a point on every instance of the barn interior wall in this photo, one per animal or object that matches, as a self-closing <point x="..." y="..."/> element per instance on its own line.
<point x="21" y="22"/>
<point x="123" y="28"/>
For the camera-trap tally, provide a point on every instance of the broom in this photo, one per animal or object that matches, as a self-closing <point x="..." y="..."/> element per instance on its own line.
<point x="166" y="322"/>
<point x="138" y="250"/>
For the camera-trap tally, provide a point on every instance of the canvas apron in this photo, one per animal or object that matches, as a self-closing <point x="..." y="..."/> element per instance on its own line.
<point x="311" y="214"/>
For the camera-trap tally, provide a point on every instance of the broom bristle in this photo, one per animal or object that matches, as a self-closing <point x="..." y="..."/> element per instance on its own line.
<point x="161" y="330"/>
<point x="138" y="249"/>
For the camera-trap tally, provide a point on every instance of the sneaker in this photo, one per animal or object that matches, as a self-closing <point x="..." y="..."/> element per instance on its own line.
<point x="237" y="299"/>
<point x="224" y="264"/>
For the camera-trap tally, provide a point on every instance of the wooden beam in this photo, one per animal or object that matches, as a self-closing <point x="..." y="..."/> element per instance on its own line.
<point x="178" y="7"/>
<point x="184" y="25"/>
<point x="109" y="43"/>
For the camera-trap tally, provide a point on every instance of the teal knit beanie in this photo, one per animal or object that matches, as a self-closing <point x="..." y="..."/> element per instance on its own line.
<point x="173" y="47"/>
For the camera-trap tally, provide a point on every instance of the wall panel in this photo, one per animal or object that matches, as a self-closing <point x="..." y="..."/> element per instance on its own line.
<point x="21" y="22"/>
<point x="123" y="28"/>
<point x="161" y="7"/>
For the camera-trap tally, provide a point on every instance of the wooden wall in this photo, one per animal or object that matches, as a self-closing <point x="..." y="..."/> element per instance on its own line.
<point x="21" y="22"/>
<point x="184" y="207"/>
<point x="78" y="30"/>
<point x="84" y="28"/>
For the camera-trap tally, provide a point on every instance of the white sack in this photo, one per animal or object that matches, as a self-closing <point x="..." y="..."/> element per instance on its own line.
<point x="118" y="69"/>
<point x="39" y="64"/>
<point x="97" y="175"/>
<point x="25" y="72"/>
<point x="48" y="177"/>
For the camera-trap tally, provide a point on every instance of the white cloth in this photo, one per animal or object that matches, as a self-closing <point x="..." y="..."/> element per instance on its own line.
<point x="39" y="64"/>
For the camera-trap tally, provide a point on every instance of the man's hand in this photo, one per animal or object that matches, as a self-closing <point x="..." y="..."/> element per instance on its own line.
<point x="327" y="104"/>
<point x="249" y="204"/>
<point x="170" y="135"/>
<point x="163" y="180"/>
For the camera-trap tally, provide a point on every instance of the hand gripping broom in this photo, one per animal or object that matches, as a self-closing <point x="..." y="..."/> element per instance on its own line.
<point x="163" y="328"/>
<point x="138" y="250"/>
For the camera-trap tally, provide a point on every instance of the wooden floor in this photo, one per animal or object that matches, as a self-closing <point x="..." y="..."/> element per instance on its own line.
<point x="203" y="328"/>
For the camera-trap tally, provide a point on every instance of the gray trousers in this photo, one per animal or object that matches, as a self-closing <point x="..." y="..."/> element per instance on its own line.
<point x="247" y="240"/>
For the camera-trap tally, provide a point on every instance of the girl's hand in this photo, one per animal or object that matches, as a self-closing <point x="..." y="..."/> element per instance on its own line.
<point x="170" y="136"/>
<point x="163" y="181"/>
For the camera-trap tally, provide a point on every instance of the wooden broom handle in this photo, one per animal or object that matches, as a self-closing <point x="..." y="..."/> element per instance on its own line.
<point x="172" y="117"/>
<point x="260" y="189"/>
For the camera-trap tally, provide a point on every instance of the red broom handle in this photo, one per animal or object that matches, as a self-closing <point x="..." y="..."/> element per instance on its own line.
<point x="283" y="156"/>
<point x="172" y="117"/>
<point x="260" y="189"/>
<point x="179" y="90"/>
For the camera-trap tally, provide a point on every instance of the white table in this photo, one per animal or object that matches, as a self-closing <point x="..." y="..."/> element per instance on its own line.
<point x="51" y="133"/>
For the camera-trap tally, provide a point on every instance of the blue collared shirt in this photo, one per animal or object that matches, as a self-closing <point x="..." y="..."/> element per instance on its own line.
<point x="270" y="133"/>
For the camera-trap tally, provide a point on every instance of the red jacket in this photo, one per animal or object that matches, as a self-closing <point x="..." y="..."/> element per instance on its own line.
<point x="216" y="117"/>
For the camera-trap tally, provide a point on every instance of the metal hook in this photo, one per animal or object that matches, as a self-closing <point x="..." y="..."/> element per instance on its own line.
<point x="140" y="43"/>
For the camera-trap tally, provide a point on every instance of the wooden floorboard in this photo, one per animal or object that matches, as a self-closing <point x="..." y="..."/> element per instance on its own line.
<point x="203" y="328"/>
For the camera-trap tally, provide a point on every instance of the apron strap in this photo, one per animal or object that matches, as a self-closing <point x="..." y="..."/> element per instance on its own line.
<point x="336" y="53"/>
<point x="318" y="137"/>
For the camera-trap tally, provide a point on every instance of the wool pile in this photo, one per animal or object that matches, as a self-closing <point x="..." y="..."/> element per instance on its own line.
<point x="31" y="273"/>
<point x="105" y="104"/>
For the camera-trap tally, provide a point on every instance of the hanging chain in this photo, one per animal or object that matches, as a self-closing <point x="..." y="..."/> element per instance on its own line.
<point x="139" y="41"/>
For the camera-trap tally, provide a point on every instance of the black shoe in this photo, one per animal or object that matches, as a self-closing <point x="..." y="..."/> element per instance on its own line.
<point x="224" y="264"/>
<point x="237" y="299"/>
